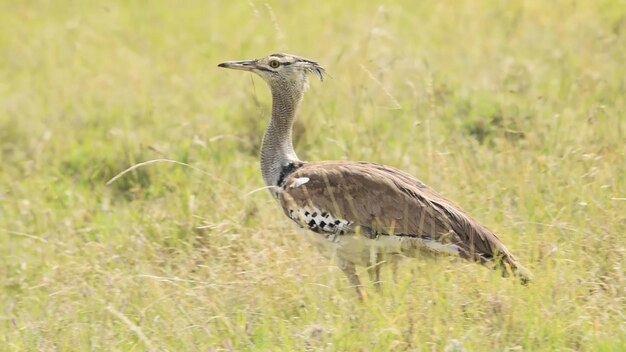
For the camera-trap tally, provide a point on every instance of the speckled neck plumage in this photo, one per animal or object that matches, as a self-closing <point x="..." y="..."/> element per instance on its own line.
<point x="277" y="149"/>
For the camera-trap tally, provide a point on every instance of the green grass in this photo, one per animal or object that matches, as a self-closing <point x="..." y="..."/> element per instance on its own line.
<point x="513" y="109"/>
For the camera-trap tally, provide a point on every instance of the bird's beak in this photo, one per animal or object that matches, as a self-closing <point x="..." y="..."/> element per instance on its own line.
<point x="246" y="65"/>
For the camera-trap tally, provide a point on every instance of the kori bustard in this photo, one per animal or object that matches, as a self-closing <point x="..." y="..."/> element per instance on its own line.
<point x="360" y="213"/>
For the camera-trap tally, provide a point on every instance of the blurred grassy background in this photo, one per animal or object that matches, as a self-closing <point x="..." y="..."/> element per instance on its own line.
<point x="513" y="109"/>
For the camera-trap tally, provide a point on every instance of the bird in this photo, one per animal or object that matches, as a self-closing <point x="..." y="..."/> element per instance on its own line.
<point x="360" y="213"/>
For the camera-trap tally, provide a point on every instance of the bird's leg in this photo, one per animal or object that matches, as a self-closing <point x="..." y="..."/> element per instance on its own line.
<point x="374" y="270"/>
<point x="394" y="270"/>
<point x="349" y="269"/>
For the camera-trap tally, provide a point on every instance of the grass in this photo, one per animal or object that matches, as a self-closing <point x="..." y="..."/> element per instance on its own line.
<point x="513" y="109"/>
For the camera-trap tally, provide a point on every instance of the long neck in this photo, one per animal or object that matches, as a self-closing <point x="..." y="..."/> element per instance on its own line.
<point x="277" y="149"/>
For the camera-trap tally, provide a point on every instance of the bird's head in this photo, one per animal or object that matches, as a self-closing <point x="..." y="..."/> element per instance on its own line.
<point x="280" y="70"/>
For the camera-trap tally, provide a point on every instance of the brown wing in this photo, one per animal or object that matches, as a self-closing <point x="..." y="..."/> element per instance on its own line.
<point x="381" y="200"/>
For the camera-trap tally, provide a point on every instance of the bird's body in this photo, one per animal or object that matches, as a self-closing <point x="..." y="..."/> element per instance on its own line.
<point x="360" y="213"/>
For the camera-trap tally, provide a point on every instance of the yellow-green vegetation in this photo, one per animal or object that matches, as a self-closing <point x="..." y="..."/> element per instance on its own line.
<point x="513" y="109"/>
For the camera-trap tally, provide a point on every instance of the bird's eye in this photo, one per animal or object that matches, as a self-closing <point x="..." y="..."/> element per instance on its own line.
<point x="274" y="64"/>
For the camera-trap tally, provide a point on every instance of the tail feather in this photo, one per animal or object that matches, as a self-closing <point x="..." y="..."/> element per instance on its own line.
<point x="479" y="244"/>
<point x="509" y="263"/>
<point x="508" y="266"/>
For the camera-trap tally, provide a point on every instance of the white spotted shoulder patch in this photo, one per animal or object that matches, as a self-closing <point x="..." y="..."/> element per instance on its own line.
<point x="319" y="220"/>
<point x="299" y="182"/>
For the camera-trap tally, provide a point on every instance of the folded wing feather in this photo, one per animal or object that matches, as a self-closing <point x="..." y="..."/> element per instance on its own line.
<point x="380" y="200"/>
